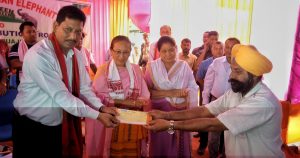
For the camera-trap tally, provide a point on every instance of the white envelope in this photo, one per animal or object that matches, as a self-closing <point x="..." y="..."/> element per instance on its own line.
<point x="133" y="117"/>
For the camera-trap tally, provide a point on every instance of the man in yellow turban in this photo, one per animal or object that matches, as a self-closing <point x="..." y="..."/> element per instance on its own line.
<point x="249" y="113"/>
<point x="251" y="63"/>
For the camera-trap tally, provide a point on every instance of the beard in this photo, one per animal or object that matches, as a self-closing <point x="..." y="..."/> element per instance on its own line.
<point x="241" y="87"/>
<point x="186" y="51"/>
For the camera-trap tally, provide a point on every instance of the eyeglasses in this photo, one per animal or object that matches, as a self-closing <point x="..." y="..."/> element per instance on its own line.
<point x="119" y="52"/>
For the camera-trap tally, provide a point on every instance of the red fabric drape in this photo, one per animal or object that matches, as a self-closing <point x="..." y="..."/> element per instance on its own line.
<point x="71" y="126"/>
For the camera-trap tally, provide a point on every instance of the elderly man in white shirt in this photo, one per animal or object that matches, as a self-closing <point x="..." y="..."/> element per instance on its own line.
<point x="215" y="85"/>
<point x="55" y="91"/>
<point x="165" y="30"/>
<point x="249" y="113"/>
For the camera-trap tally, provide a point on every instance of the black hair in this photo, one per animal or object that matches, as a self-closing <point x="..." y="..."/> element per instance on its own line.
<point x="213" y="33"/>
<point x="70" y="12"/>
<point x="186" y="40"/>
<point x="217" y="43"/>
<point x="165" y="39"/>
<point x="233" y="39"/>
<point x="118" y="39"/>
<point x="26" y="23"/>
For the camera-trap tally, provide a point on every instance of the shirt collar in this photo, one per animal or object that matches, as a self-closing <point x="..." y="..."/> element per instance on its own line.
<point x="224" y="60"/>
<point x="70" y="54"/>
<point x="210" y="58"/>
<point x="254" y="89"/>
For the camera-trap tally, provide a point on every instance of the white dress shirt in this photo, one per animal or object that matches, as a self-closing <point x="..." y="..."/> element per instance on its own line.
<point x="216" y="79"/>
<point x="43" y="95"/>
<point x="253" y="122"/>
<point x="152" y="51"/>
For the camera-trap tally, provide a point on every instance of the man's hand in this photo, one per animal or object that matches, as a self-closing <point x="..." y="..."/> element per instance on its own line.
<point x="141" y="102"/>
<point x="3" y="89"/>
<point x="108" y="120"/>
<point x="157" y="114"/>
<point x="110" y="110"/>
<point x="205" y="47"/>
<point x="158" y="125"/>
<point x="181" y="106"/>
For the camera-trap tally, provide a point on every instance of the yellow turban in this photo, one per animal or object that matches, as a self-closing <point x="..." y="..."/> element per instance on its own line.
<point x="251" y="60"/>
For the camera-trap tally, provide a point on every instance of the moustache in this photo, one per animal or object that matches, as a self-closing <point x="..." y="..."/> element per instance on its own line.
<point x="74" y="41"/>
<point x="233" y="81"/>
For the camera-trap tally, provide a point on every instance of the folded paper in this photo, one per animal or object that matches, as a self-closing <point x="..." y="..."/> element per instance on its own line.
<point x="133" y="117"/>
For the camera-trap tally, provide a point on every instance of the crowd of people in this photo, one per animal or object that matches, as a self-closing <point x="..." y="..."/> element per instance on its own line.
<point x="235" y="115"/>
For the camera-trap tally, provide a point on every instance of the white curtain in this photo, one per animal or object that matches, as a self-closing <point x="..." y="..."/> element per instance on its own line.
<point x="190" y="18"/>
<point x="169" y="12"/>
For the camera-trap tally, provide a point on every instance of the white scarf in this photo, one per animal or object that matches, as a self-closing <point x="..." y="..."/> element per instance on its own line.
<point x="22" y="49"/>
<point x="115" y="87"/>
<point x="169" y="80"/>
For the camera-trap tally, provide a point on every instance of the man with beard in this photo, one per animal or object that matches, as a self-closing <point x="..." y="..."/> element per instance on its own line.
<point x="249" y="113"/>
<point x="186" y="55"/>
<point x="165" y="30"/>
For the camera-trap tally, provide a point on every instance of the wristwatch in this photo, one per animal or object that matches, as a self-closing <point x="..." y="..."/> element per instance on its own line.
<point x="171" y="127"/>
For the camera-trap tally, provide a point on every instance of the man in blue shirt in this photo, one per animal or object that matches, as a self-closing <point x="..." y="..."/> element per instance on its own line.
<point x="217" y="51"/>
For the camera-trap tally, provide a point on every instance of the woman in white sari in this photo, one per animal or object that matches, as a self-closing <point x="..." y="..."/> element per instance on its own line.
<point x="172" y="87"/>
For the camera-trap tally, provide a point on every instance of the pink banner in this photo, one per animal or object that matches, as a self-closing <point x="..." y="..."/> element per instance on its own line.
<point x="100" y="29"/>
<point x="293" y="94"/>
<point x="14" y="12"/>
<point x="140" y="13"/>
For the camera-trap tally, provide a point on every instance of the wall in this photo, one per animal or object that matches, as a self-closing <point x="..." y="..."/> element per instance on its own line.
<point x="273" y="31"/>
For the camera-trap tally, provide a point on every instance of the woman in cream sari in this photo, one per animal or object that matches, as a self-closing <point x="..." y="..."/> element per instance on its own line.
<point x="121" y="84"/>
<point x="172" y="87"/>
